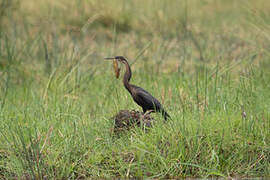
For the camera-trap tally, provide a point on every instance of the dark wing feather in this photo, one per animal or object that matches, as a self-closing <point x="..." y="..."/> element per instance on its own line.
<point x="146" y="100"/>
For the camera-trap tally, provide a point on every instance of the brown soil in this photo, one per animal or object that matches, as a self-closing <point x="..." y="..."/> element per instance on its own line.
<point x="125" y="120"/>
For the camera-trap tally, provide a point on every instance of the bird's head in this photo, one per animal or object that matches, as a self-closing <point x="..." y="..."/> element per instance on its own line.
<point x="118" y="58"/>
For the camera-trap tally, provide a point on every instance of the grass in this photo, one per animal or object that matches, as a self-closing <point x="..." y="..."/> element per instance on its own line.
<point x="206" y="61"/>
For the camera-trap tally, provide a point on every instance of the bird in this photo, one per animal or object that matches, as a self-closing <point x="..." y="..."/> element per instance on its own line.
<point x="139" y="95"/>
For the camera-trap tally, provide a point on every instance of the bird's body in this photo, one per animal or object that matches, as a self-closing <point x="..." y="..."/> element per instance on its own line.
<point x="139" y="95"/>
<point x="147" y="101"/>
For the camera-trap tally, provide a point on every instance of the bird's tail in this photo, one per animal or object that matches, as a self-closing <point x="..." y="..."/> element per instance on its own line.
<point x="165" y="115"/>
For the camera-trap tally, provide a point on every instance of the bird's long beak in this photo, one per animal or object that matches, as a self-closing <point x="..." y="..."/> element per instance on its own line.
<point x="109" y="58"/>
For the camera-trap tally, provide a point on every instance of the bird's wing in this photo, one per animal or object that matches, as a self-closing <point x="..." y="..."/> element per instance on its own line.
<point x="147" y="100"/>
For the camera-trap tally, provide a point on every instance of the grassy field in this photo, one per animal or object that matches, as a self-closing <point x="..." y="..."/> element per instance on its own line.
<point x="208" y="62"/>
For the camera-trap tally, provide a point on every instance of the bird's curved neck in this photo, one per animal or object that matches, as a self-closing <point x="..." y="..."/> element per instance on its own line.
<point x="127" y="77"/>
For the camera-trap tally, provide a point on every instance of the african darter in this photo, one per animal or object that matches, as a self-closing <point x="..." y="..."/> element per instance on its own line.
<point x="140" y="96"/>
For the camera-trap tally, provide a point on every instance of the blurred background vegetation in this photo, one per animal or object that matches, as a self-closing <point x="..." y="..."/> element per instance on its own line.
<point x="175" y="34"/>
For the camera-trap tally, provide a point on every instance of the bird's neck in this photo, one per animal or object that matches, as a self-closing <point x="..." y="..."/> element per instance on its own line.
<point x="127" y="77"/>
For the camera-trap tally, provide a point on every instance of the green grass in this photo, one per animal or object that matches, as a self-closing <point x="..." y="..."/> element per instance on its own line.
<point x="206" y="61"/>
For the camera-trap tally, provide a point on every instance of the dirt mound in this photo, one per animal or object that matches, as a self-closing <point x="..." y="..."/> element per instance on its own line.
<point x="125" y="119"/>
